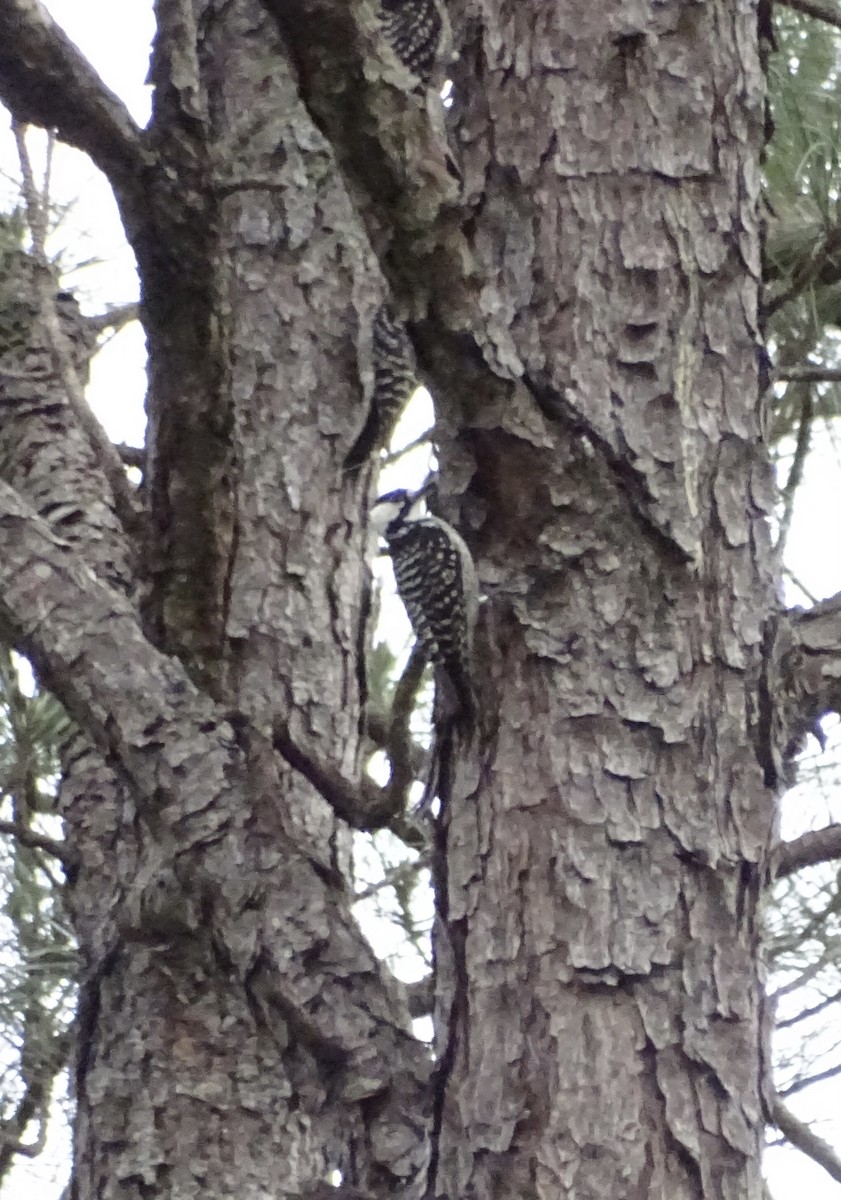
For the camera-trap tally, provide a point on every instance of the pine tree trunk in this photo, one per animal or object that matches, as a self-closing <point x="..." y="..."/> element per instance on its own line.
<point x="599" y="1014"/>
<point x="584" y="306"/>
<point x="195" y="1077"/>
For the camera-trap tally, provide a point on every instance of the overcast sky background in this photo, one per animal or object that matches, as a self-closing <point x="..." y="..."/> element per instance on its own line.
<point x="116" y="36"/>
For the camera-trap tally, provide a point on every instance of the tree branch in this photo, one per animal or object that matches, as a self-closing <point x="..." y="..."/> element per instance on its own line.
<point x="810" y="373"/>
<point x="45" y="79"/>
<point x="421" y="997"/>
<point x="40" y="1061"/>
<point x="806" y="1014"/>
<point x="39" y="841"/>
<point x="816" y="846"/>
<point x="802" y="1137"/>
<point x="819" y="266"/>
<point x="33" y="1149"/>
<point x="827" y="13"/>
<point x="819" y="627"/>
<point x="131" y="456"/>
<point x="400" y="745"/>
<point x="115" y="318"/>
<point x="61" y="616"/>
<point x="377" y="729"/>
<point x="802" y="680"/>
<point x="800" y="1085"/>
<point x="364" y="806"/>
<point x="394" y="877"/>
<point x="122" y="496"/>
<point x="10" y="1146"/>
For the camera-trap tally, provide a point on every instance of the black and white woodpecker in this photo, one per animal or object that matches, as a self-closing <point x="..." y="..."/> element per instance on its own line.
<point x="415" y="30"/>
<point x="395" y="382"/>
<point x="436" y="580"/>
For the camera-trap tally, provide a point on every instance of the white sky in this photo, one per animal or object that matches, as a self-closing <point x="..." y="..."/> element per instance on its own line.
<point x="116" y="37"/>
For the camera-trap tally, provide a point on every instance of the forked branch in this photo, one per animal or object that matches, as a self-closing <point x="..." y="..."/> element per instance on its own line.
<point x="45" y="79"/>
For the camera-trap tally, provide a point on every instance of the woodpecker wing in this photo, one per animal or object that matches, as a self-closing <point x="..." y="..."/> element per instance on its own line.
<point x="413" y="29"/>
<point x="395" y="366"/>
<point x="395" y="379"/>
<point x="428" y="571"/>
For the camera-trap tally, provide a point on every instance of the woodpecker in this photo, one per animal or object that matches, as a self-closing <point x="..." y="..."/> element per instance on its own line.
<point x="436" y="580"/>
<point x="395" y="380"/>
<point x="413" y="29"/>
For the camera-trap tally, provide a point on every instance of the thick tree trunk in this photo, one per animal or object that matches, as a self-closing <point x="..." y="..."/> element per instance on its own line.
<point x="586" y="311"/>
<point x="600" y="1019"/>
<point x="213" y="879"/>
<point x="188" y="1081"/>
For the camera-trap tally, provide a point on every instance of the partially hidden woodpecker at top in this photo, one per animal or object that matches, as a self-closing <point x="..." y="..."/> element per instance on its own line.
<point x="436" y="580"/>
<point x="415" y="31"/>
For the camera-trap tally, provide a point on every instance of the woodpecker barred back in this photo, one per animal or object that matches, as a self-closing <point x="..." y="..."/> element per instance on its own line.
<point x="413" y="29"/>
<point x="436" y="581"/>
<point x="395" y="380"/>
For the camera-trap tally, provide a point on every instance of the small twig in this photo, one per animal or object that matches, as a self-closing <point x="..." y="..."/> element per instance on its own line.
<point x="393" y="877"/>
<point x="805" y="976"/>
<point x="423" y="439"/>
<point x="44" y="207"/>
<point x="801" y="1084"/>
<point x="813" y="1011"/>
<point x="789" y="574"/>
<point x="801" y="1136"/>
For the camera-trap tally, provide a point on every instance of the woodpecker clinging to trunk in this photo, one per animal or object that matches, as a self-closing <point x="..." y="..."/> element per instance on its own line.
<point x="436" y="580"/>
<point x="414" y="29"/>
<point x="395" y="381"/>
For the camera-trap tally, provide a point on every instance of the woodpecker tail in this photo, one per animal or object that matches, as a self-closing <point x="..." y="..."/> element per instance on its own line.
<point x="450" y="737"/>
<point x="366" y="443"/>
<point x="456" y="703"/>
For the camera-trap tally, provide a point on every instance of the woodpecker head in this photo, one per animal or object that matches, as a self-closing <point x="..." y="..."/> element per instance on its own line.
<point x="398" y="508"/>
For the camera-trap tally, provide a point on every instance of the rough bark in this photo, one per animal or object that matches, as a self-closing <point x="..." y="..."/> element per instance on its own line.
<point x="804" y="667"/>
<point x="599" y="999"/>
<point x="585" y="308"/>
<point x="228" y="887"/>
<point x="256" y="275"/>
